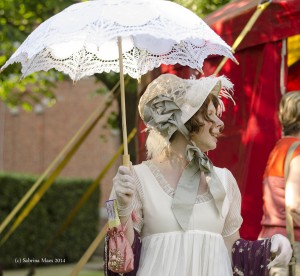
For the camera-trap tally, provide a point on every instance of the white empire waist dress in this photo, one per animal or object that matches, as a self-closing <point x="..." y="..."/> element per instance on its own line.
<point x="167" y="250"/>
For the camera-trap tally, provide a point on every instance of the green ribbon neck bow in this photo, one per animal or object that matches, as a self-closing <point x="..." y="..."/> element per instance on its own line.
<point x="187" y="187"/>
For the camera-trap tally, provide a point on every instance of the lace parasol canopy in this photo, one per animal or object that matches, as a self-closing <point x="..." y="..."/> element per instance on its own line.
<point x="82" y="39"/>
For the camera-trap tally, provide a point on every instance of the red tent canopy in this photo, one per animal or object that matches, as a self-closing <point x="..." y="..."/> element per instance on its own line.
<point x="281" y="19"/>
<point x="251" y="126"/>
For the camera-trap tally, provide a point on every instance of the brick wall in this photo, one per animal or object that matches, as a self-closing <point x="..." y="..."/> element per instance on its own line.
<point x="29" y="142"/>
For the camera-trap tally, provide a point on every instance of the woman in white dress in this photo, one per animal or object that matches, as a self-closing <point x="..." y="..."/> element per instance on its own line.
<point x="182" y="214"/>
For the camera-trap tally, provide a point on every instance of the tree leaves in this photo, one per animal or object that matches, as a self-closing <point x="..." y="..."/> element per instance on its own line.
<point x="18" y="18"/>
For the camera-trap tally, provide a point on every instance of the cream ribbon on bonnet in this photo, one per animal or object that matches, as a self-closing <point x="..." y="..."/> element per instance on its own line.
<point x="187" y="187"/>
<point x="163" y="114"/>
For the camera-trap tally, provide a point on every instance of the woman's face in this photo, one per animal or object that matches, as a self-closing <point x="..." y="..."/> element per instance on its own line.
<point x="206" y="138"/>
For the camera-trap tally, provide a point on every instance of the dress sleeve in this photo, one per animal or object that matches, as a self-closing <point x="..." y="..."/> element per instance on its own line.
<point x="138" y="204"/>
<point x="233" y="219"/>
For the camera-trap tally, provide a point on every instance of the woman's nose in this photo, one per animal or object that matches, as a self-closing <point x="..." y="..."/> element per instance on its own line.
<point x="219" y="122"/>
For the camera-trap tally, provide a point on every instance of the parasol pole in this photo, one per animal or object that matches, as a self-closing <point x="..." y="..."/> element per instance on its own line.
<point x="259" y="9"/>
<point x="126" y="157"/>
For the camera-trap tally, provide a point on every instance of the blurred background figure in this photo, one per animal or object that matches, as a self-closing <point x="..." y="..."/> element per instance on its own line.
<point x="274" y="183"/>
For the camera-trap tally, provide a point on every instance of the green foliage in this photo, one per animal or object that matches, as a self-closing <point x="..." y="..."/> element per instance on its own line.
<point x="112" y="120"/>
<point x="202" y="7"/>
<point x="32" y="236"/>
<point x="18" y="18"/>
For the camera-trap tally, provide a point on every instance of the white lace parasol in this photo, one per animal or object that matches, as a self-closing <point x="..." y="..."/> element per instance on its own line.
<point x="127" y="36"/>
<point x="82" y="39"/>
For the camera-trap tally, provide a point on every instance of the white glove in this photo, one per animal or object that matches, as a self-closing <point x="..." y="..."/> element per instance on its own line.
<point x="124" y="187"/>
<point x="281" y="246"/>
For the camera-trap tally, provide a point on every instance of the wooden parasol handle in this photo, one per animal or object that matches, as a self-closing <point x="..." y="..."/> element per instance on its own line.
<point x="126" y="157"/>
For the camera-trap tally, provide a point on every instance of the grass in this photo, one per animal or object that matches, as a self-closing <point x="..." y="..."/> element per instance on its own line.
<point x="91" y="273"/>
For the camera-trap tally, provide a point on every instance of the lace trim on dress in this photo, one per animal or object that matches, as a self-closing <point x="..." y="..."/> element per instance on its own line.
<point x="170" y="190"/>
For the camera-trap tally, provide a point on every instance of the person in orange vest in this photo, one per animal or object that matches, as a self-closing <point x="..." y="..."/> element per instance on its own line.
<point x="274" y="193"/>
